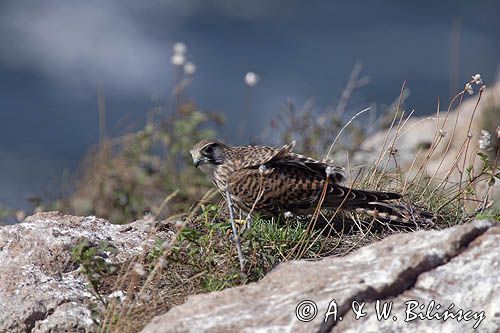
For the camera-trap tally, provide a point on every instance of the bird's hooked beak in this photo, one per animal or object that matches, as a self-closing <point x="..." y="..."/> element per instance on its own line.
<point x="198" y="159"/>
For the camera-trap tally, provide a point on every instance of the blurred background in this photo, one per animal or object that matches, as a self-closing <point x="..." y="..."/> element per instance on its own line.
<point x="63" y="61"/>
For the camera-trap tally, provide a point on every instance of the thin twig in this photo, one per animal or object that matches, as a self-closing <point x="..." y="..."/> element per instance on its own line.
<point x="343" y="128"/>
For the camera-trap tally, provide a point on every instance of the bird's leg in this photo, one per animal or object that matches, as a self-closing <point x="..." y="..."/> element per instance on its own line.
<point x="247" y="223"/>
<point x="240" y="221"/>
<point x="235" y="231"/>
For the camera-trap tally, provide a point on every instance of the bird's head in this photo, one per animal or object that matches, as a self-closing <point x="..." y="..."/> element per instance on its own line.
<point x="208" y="154"/>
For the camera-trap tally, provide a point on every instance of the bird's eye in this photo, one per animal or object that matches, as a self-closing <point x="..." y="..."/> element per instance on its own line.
<point x="209" y="150"/>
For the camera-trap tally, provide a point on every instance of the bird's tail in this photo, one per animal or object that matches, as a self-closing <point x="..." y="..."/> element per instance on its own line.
<point x="379" y="205"/>
<point x="349" y="198"/>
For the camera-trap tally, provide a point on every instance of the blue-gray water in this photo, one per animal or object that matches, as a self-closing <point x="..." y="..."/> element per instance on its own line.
<point x="54" y="55"/>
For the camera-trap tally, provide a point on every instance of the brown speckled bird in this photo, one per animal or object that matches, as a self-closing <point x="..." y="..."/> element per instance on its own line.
<point x="275" y="180"/>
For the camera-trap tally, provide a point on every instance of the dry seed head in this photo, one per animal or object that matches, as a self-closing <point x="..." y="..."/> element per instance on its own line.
<point x="251" y="79"/>
<point x="178" y="59"/>
<point x="477" y="79"/>
<point x="468" y="88"/>
<point x="189" y="68"/>
<point x="484" y="139"/>
<point x="180" y="47"/>
<point x="139" y="269"/>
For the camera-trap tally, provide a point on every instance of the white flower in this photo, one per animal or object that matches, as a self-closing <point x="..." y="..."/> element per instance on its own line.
<point x="180" y="47"/>
<point x="468" y="88"/>
<point x="178" y="59"/>
<point x="251" y="79"/>
<point x="148" y="217"/>
<point x="484" y="139"/>
<point x="477" y="79"/>
<point x="139" y="269"/>
<point x="189" y="68"/>
<point x="288" y="214"/>
<point x="119" y="294"/>
<point x="179" y="225"/>
<point x="162" y="263"/>
<point x="20" y="215"/>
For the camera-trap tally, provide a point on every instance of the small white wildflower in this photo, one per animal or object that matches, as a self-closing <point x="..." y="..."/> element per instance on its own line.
<point x="251" y="79"/>
<point x="148" y="217"/>
<point x="180" y="47"/>
<point x="477" y="79"/>
<point x="179" y="225"/>
<point x="288" y="215"/>
<point x="139" y="269"/>
<point x="20" y="215"/>
<point x="484" y="139"/>
<point x="442" y="132"/>
<point x="119" y="294"/>
<point x="189" y="68"/>
<point x="468" y="88"/>
<point x="178" y="59"/>
<point x="162" y="263"/>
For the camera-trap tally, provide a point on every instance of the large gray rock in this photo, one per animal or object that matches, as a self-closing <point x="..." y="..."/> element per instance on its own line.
<point x="41" y="290"/>
<point x="458" y="265"/>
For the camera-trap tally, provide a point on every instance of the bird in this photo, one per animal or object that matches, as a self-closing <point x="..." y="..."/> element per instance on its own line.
<point x="273" y="181"/>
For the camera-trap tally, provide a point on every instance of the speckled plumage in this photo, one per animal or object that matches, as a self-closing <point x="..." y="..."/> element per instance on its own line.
<point x="276" y="180"/>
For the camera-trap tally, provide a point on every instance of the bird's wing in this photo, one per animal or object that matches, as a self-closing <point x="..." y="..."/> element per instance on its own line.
<point x="251" y="188"/>
<point x="277" y="189"/>
<point x="296" y="189"/>
<point x="254" y="157"/>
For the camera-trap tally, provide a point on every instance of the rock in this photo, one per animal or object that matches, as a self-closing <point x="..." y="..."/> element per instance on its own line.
<point x="458" y="265"/>
<point x="457" y="282"/>
<point x="41" y="289"/>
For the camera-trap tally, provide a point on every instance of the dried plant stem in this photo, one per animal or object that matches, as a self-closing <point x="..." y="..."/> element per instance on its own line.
<point x="330" y="221"/>
<point x="469" y="134"/>
<point x="393" y="142"/>
<point x="343" y="128"/>
<point x="461" y="95"/>
<point x="311" y="224"/>
<point x="167" y="200"/>
<point x="351" y="85"/>
<point x="382" y="149"/>
<point x="133" y="281"/>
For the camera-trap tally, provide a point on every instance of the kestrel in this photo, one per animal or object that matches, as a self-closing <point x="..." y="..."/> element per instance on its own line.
<point x="272" y="181"/>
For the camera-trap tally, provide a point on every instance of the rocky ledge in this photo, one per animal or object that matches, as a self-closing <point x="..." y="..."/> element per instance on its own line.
<point x="41" y="289"/>
<point x="421" y="273"/>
